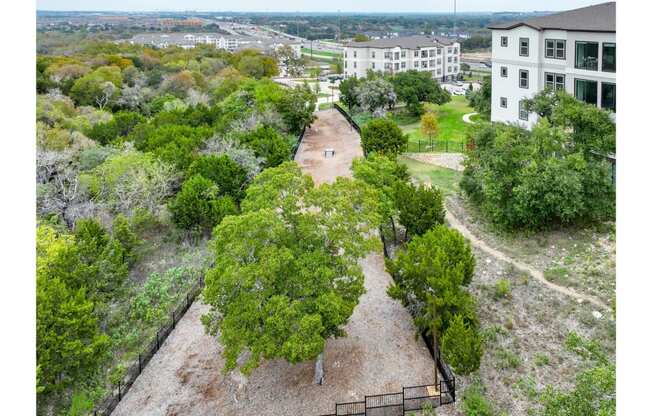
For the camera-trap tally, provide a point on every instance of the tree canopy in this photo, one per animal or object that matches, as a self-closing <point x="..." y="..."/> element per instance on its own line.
<point x="383" y="136"/>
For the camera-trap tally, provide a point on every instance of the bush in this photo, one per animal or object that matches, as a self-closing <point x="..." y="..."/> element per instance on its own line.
<point x="461" y="346"/>
<point x="268" y="144"/>
<point x="129" y="241"/>
<point x="420" y="208"/>
<point x="198" y="205"/>
<point x="230" y="177"/>
<point x="474" y="403"/>
<point x="383" y="136"/>
<point x="502" y="289"/>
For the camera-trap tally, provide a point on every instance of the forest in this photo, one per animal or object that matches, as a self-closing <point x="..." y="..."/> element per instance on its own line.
<point x="140" y="153"/>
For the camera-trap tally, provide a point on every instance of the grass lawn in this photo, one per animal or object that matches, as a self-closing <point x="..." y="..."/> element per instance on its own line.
<point x="443" y="178"/>
<point x="478" y="117"/>
<point x="451" y="126"/>
<point x="306" y="51"/>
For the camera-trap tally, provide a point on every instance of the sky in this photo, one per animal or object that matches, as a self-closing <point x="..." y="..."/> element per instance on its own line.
<point x="315" y="6"/>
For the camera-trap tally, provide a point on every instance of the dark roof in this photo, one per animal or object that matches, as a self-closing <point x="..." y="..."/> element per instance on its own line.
<point x="406" y="42"/>
<point x="598" y="18"/>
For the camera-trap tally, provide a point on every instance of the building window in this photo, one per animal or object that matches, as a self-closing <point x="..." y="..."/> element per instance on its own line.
<point x="345" y="54"/>
<point x="555" y="81"/>
<point x="373" y="55"/>
<point x="416" y="54"/>
<point x="402" y="64"/>
<point x="355" y="64"/>
<point x="388" y="66"/>
<point x="373" y="65"/>
<point x="346" y="64"/>
<point x="402" y="54"/>
<point x="438" y="61"/>
<point x="424" y="64"/>
<point x="396" y="66"/>
<point x="609" y="57"/>
<point x="396" y="55"/>
<point x="503" y="102"/>
<point x="450" y="69"/>
<point x="439" y="71"/>
<point x="503" y="41"/>
<point x="586" y="91"/>
<point x="586" y="55"/>
<point x="609" y="96"/>
<point x="388" y="55"/>
<point x="450" y="59"/>
<point x="524" y="78"/>
<point x="524" y="47"/>
<point x="431" y="63"/>
<point x="522" y="111"/>
<point x="555" y="49"/>
<point x="455" y="68"/>
<point x="438" y="51"/>
<point x="424" y="54"/>
<point x="355" y="54"/>
<point x="503" y="71"/>
<point x="455" y="51"/>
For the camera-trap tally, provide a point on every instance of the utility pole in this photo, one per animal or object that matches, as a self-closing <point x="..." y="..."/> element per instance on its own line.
<point x="455" y="17"/>
<point x="339" y="26"/>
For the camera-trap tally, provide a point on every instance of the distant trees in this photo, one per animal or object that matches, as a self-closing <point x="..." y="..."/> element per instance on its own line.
<point x="360" y="37"/>
<point x="305" y="292"/>
<point x="383" y="136"/>
<point x="97" y="88"/>
<point x="255" y="64"/>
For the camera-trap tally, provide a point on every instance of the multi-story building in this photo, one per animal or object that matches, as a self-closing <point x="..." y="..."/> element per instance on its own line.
<point x="573" y="51"/>
<point x="438" y="56"/>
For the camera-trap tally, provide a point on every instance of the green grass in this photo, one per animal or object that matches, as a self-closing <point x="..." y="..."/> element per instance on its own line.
<point x="306" y="51"/>
<point x="478" y="117"/>
<point x="443" y="178"/>
<point x="557" y="275"/>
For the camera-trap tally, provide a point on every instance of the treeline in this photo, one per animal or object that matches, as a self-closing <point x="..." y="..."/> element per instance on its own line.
<point x="140" y="153"/>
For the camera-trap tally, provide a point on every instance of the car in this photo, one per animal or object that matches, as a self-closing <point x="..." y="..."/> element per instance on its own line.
<point x="459" y="83"/>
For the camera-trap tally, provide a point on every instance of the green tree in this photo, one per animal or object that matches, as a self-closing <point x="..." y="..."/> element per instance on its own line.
<point x="420" y="208"/>
<point x="481" y="100"/>
<point x="230" y="178"/>
<point x="123" y="233"/>
<point x="286" y="275"/>
<point x="120" y="125"/>
<point x="383" y="136"/>
<point x="360" y="37"/>
<point x="69" y="343"/>
<point x="348" y="94"/>
<point x="91" y="89"/>
<point x="461" y="346"/>
<point x="429" y="124"/>
<point x="375" y="95"/>
<point x="415" y="87"/>
<point x="269" y="144"/>
<point x="198" y="204"/>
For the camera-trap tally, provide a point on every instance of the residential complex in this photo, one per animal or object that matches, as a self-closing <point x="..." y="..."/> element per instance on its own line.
<point x="441" y="57"/>
<point x="220" y="41"/>
<point x="573" y="51"/>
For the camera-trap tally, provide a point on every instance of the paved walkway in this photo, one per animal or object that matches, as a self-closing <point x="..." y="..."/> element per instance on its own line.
<point x="379" y="354"/>
<point x="467" y="118"/>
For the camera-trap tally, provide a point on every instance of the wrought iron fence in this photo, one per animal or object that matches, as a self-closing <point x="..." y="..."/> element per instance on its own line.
<point x="434" y="145"/>
<point x="299" y="140"/>
<point x="347" y="117"/>
<point x="111" y="401"/>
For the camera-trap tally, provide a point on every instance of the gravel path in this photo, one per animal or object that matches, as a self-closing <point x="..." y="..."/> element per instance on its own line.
<point x="379" y="354"/>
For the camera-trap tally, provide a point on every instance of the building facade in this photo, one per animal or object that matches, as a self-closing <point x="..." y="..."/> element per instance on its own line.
<point x="438" y="56"/>
<point x="573" y="51"/>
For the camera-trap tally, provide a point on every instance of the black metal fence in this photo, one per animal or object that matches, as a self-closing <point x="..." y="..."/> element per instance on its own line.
<point x="111" y="402"/>
<point x="299" y="140"/>
<point x="434" y="145"/>
<point x="347" y="117"/>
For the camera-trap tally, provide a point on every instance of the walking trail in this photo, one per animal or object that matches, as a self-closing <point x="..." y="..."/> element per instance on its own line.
<point x="467" y="118"/>
<point x="535" y="273"/>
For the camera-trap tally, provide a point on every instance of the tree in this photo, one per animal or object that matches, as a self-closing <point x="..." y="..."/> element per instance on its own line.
<point x="120" y="125"/>
<point x="420" y="208"/>
<point x="414" y="87"/>
<point x="360" y="37"/>
<point x="286" y="275"/>
<point x="383" y="136"/>
<point x="92" y="88"/>
<point x="461" y="346"/>
<point x="229" y="177"/>
<point x="430" y="276"/>
<point x="429" y="124"/>
<point x="198" y="205"/>
<point x="69" y="343"/>
<point x="376" y="95"/>
<point x="348" y="93"/>
<point x="337" y="65"/>
<point x="297" y="106"/>
<point x="269" y="144"/>
<point x="481" y="100"/>
<point x="288" y="58"/>
<point x="252" y="63"/>
<point x="123" y="233"/>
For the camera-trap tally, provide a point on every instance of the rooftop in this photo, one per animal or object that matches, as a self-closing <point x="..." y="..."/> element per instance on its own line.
<point x="597" y="18"/>
<point x="406" y="42"/>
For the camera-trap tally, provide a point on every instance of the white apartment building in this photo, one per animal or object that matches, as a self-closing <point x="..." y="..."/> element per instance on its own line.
<point x="438" y="56"/>
<point x="573" y="50"/>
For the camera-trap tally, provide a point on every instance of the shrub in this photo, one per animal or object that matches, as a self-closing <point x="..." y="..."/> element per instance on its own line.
<point x="420" y="208"/>
<point x="461" y="346"/>
<point x="383" y="136"/>
<point x="507" y="359"/>
<point x="230" y="177"/>
<point x="502" y="289"/>
<point x="199" y="205"/>
<point x="129" y="241"/>
<point x="268" y="144"/>
<point x="474" y="403"/>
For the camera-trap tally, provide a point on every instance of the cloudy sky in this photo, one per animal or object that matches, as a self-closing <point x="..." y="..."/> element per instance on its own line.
<point x="312" y="6"/>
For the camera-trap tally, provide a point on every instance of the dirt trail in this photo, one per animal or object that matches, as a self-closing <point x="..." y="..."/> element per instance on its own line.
<point x="535" y="273"/>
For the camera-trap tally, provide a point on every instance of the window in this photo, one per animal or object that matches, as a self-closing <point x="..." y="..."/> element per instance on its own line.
<point x="455" y="51"/>
<point x="345" y="54"/>
<point x="450" y="59"/>
<point x="438" y="61"/>
<point x="373" y="55"/>
<point x="402" y="54"/>
<point x="431" y="52"/>
<point x="522" y="111"/>
<point x="586" y="55"/>
<point x="396" y="66"/>
<point x="503" y="71"/>
<point x="424" y="64"/>
<point x="609" y="96"/>
<point x="455" y="68"/>
<point x="355" y="54"/>
<point x="586" y="91"/>
<point x="450" y="50"/>
<point x="355" y="64"/>
<point x="373" y="65"/>
<point x="424" y="54"/>
<point x="524" y="78"/>
<point x="388" y="66"/>
<point x="524" y="47"/>
<point x="416" y="54"/>
<point x="388" y="55"/>
<point x="455" y="59"/>
<point x="450" y="69"/>
<point x="555" y="49"/>
<point x="503" y="102"/>
<point x="402" y="64"/>
<point x="555" y="81"/>
<point x="503" y="41"/>
<point x="396" y="55"/>
<point x="346" y="64"/>
<point x="609" y="57"/>
<point x="438" y="51"/>
<point x="431" y="63"/>
<point x="439" y="71"/>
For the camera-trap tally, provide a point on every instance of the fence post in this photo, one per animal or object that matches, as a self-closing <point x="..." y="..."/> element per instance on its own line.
<point x="403" y="396"/>
<point x="174" y="323"/>
<point x="140" y="364"/>
<point x="157" y="346"/>
<point x="119" y="391"/>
